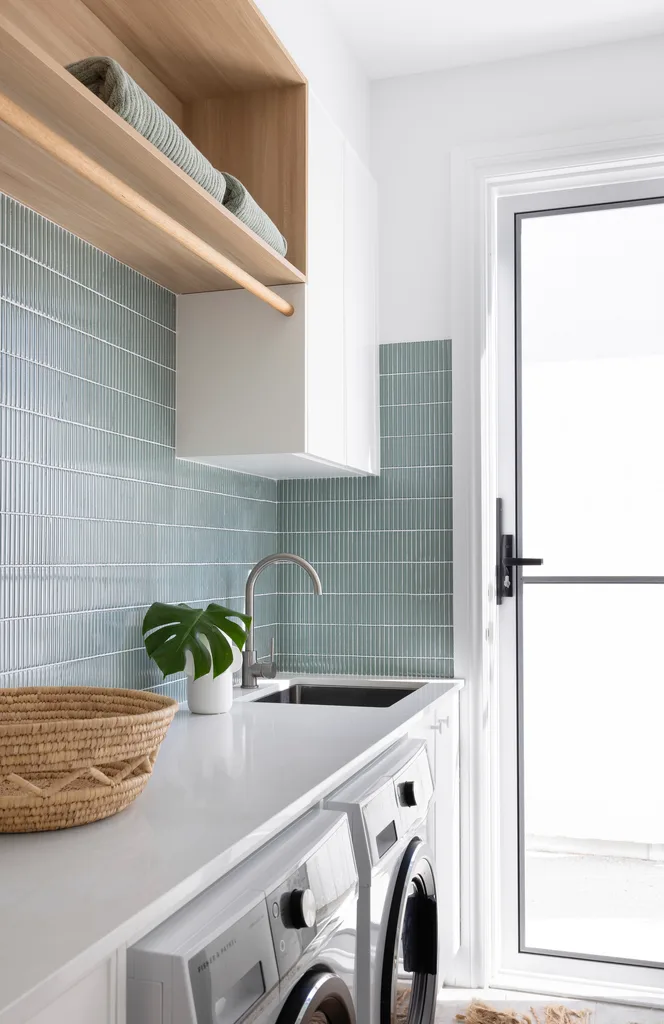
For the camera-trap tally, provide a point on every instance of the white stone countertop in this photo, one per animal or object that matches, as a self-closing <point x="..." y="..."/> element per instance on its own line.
<point x="223" y="785"/>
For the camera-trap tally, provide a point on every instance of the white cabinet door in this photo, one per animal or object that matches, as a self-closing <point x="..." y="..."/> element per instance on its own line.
<point x="447" y="828"/>
<point x="360" y="327"/>
<point x="326" y="435"/>
<point x="96" y="999"/>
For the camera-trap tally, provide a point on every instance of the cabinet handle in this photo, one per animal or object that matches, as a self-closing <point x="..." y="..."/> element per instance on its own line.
<point x="438" y="727"/>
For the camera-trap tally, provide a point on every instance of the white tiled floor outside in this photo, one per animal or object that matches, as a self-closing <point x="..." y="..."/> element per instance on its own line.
<point x="606" y="906"/>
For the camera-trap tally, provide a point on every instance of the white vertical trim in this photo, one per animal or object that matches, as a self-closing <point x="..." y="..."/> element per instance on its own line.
<point x="469" y="287"/>
<point x="118" y="1008"/>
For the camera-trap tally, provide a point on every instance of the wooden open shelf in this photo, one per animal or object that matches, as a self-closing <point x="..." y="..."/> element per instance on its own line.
<point x="218" y="71"/>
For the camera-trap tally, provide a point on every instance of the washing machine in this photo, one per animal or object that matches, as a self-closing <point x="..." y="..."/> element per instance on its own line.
<point x="397" y="928"/>
<point x="273" y="942"/>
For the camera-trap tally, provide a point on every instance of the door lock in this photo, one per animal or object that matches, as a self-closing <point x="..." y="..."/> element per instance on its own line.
<point x="506" y="558"/>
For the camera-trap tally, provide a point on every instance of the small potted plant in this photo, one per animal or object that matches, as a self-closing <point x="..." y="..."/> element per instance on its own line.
<point x="199" y="642"/>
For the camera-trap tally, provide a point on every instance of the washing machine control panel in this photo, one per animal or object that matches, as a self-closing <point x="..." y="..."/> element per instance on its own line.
<point x="213" y="961"/>
<point x="220" y="958"/>
<point x="407" y="793"/>
<point x="413" y="786"/>
<point x="311" y="897"/>
<point x="302" y="908"/>
<point x="396" y="803"/>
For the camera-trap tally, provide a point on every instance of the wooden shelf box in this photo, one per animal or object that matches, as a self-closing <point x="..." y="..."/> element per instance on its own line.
<point x="217" y="69"/>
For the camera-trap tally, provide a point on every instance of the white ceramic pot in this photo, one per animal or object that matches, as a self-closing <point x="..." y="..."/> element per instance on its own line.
<point x="210" y="695"/>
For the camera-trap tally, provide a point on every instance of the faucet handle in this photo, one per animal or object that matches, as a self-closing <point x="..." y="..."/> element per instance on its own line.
<point x="270" y="670"/>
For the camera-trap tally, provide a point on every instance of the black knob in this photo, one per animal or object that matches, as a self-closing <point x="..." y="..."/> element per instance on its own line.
<point x="407" y="794"/>
<point x="302" y="908"/>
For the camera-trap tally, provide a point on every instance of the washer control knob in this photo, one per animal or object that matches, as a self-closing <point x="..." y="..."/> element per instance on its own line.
<point x="407" y="794"/>
<point x="302" y="907"/>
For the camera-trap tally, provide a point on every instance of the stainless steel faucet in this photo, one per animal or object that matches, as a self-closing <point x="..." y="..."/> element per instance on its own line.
<point x="251" y="669"/>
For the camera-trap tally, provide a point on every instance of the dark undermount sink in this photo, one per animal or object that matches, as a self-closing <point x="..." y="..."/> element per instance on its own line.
<point x="340" y="696"/>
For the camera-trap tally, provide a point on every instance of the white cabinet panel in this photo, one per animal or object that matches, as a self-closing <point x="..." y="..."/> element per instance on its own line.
<point x="326" y="429"/>
<point x="93" y="1000"/>
<point x="240" y="378"/>
<point x="448" y="823"/>
<point x="360" y="328"/>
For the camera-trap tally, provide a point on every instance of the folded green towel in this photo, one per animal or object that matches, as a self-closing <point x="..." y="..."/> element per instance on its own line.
<point x="118" y="90"/>
<point x="111" y="83"/>
<point x="240" y="202"/>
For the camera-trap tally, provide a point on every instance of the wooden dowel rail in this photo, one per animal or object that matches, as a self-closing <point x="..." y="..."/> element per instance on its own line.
<point x="35" y="131"/>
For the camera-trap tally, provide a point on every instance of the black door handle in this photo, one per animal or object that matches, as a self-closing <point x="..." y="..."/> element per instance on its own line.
<point x="507" y="560"/>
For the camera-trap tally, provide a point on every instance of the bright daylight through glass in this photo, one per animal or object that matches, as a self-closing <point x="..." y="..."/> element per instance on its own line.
<point x="593" y="501"/>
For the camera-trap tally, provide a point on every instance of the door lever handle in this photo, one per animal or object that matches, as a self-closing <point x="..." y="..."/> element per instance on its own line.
<point x="507" y="560"/>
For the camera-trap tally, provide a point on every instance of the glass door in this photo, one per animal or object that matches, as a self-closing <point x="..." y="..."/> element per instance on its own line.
<point x="582" y="634"/>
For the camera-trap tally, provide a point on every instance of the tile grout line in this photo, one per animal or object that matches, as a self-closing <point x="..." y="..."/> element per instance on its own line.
<point x="118" y="565"/>
<point x="85" y="334"/>
<point x="136" y="480"/>
<point x="123" y="608"/>
<point x="86" y="287"/>
<point x="88" y="380"/>
<point x="365" y="626"/>
<point x="350" y="501"/>
<point x="138" y="522"/>
<point x="369" y="593"/>
<point x="384" y="374"/>
<point x="85" y="426"/>
<point x="93" y="657"/>
<point x="372" y="530"/>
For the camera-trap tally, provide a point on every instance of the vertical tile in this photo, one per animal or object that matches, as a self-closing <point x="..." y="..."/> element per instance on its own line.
<point x="98" y="519"/>
<point x="382" y="546"/>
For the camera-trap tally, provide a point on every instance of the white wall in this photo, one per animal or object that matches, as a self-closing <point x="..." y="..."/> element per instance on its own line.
<point x="417" y="121"/>
<point x="334" y="74"/>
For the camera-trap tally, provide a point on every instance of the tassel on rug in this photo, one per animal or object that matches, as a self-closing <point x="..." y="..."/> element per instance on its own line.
<point x="482" y="1013"/>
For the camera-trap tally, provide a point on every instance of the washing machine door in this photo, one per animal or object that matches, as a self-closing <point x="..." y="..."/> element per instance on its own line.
<point x="409" y="979"/>
<point x="320" y="997"/>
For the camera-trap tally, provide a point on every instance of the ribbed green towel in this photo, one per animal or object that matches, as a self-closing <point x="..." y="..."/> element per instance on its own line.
<point x="240" y="202"/>
<point x="111" y="83"/>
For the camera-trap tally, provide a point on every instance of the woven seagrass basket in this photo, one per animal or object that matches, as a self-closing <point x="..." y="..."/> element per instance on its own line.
<point x="74" y="754"/>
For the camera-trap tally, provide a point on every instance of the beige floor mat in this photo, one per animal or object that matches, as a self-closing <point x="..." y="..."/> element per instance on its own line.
<point x="556" y="1013"/>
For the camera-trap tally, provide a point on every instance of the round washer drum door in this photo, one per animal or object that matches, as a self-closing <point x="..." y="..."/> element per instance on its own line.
<point x="411" y="942"/>
<point x="320" y="997"/>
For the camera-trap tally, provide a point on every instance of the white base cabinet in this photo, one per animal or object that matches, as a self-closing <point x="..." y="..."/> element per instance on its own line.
<point x="98" y="998"/>
<point x="439" y="728"/>
<point x="292" y="396"/>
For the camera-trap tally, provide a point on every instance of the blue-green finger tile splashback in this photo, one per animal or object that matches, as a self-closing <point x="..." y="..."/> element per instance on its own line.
<point x="382" y="546"/>
<point x="98" y="519"/>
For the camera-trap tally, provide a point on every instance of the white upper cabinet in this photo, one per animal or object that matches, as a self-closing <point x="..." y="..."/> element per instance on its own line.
<point x="292" y="396"/>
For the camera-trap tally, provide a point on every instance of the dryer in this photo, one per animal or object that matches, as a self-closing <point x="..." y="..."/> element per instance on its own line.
<point x="397" y="927"/>
<point x="273" y="942"/>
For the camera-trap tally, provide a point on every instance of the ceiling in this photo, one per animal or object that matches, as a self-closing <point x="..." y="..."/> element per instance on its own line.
<point x="402" y="37"/>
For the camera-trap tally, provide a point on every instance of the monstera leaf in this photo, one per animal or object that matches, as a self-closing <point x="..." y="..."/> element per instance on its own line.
<point x="170" y="630"/>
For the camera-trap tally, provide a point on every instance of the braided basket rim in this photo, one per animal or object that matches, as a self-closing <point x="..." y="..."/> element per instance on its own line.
<point x="165" y="708"/>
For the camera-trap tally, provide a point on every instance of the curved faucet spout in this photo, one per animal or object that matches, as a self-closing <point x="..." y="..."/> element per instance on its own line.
<point x="250" y="668"/>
